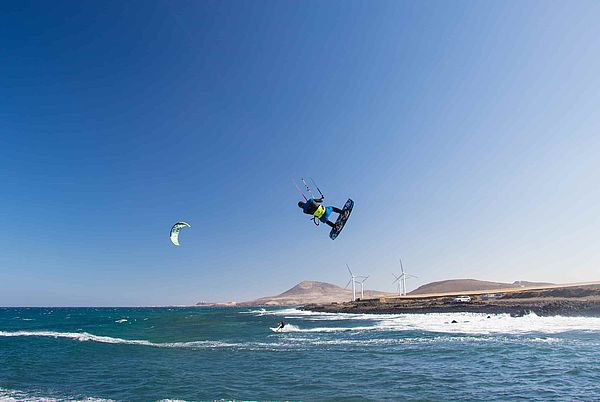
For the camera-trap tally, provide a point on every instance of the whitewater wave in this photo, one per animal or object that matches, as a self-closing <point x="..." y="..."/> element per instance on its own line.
<point x="11" y="395"/>
<point x="258" y="312"/>
<point x="483" y="324"/>
<point x="87" y="337"/>
<point x="453" y="323"/>
<point x="294" y="328"/>
<point x="199" y="345"/>
<point x="297" y="339"/>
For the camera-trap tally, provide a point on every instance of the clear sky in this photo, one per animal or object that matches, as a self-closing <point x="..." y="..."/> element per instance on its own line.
<point x="468" y="134"/>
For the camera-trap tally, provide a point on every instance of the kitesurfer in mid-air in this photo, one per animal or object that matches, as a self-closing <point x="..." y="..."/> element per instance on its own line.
<point x="313" y="207"/>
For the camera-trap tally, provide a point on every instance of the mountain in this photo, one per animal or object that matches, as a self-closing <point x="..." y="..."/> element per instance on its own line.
<point x="465" y="285"/>
<point x="312" y="292"/>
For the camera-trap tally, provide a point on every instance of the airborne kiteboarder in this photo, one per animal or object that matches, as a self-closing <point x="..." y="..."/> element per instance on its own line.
<point x="312" y="206"/>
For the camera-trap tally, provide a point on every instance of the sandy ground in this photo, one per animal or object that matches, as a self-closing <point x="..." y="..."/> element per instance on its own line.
<point x="572" y="299"/>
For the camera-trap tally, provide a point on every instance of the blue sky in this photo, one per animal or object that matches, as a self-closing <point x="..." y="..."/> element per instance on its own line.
<point x="466" y="132"/>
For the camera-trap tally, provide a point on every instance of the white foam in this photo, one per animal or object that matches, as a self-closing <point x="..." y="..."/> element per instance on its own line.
<point x="9" y="395"/>
<point x="465" y="323"/>
<point x="472" y="323"/>
<point x="79" y="336"/>
<point x="87" y="337"/>
<point x="121" y="321"/>
<point x="258" y="312"/>
<point x="294" y="328"/>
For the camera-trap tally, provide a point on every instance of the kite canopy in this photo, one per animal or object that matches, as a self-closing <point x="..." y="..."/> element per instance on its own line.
<point x="175" y="231"/>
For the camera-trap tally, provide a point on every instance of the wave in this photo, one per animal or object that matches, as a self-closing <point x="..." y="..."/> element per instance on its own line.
<point x="87" y="337"/>
<point x="11" y="395"/>
<point x="258" y="312"/>
<point x="483" y="324"/>
<point x="294" y="328"/>
<point x="453" y="323"/>
<point x="298" y="339"/>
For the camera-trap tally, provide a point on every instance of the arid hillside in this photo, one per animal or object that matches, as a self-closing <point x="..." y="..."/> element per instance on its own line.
<point x="465" y="285"/>
<point x="312" y="292"/>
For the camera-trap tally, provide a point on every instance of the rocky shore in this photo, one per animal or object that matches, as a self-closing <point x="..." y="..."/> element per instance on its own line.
<point x="566" y="301"/>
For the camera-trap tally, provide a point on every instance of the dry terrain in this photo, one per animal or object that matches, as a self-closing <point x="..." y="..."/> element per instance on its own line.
<point x="309" y="292"/>
<point x="465" y="285"/>
<point x="572" y="299"/>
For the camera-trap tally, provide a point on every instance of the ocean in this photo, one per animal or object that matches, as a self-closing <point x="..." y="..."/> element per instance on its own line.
<point x="232" y="353"/>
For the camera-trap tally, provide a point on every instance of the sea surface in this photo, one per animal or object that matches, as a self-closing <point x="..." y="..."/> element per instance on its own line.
<point x="232" y="353"/>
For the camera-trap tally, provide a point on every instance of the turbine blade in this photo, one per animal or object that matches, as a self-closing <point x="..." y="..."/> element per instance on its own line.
<point x="348" y="284"/>
<point x="349" y="270"/>
<point x="401" y="266"/>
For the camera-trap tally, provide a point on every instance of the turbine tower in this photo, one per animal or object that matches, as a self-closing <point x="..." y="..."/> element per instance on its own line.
<point x="402" y="279"/>
<point x="362" y="288"/>
<point x="354" y="281"/>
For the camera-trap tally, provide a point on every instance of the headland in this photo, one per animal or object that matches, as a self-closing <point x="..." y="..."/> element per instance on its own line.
<point x="581" y="299"/>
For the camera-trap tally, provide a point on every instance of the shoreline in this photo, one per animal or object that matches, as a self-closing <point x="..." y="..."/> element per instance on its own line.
<point x="565" y="301"/>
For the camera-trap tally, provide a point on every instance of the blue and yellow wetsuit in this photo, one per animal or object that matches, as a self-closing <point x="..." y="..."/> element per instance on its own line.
<point x="313" y="207"/>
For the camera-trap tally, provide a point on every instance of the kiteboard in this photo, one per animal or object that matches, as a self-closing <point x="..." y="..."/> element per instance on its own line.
<point x="342" y="219"/>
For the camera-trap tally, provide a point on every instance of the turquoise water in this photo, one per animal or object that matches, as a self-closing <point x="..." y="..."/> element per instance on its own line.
<point x="223" y="353"/>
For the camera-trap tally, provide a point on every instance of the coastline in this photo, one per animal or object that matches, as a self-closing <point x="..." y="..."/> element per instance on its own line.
<point x="578" y="300"/>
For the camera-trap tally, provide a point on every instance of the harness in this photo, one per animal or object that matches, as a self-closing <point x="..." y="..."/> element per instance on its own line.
<point x="319" y="212"/>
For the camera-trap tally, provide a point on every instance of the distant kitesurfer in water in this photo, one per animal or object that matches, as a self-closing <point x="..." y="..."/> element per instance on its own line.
<point x="281" y="325"/>
<point x="313" y="207"/>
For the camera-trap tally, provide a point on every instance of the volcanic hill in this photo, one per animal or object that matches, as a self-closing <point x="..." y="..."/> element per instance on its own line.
<point x="312" y="292"/>
<point x="466" y="285"/>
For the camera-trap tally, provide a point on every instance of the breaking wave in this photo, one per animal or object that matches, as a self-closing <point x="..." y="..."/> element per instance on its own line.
<point x="87" y="337"/>
<point x="294" y="328"/>
<point x="11" y="395"/>
<point x="453" y="323"/>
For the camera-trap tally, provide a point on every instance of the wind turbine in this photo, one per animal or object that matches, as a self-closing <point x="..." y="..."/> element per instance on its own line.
<point x="353" y="281"/>
<point x="402" y="279"/>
